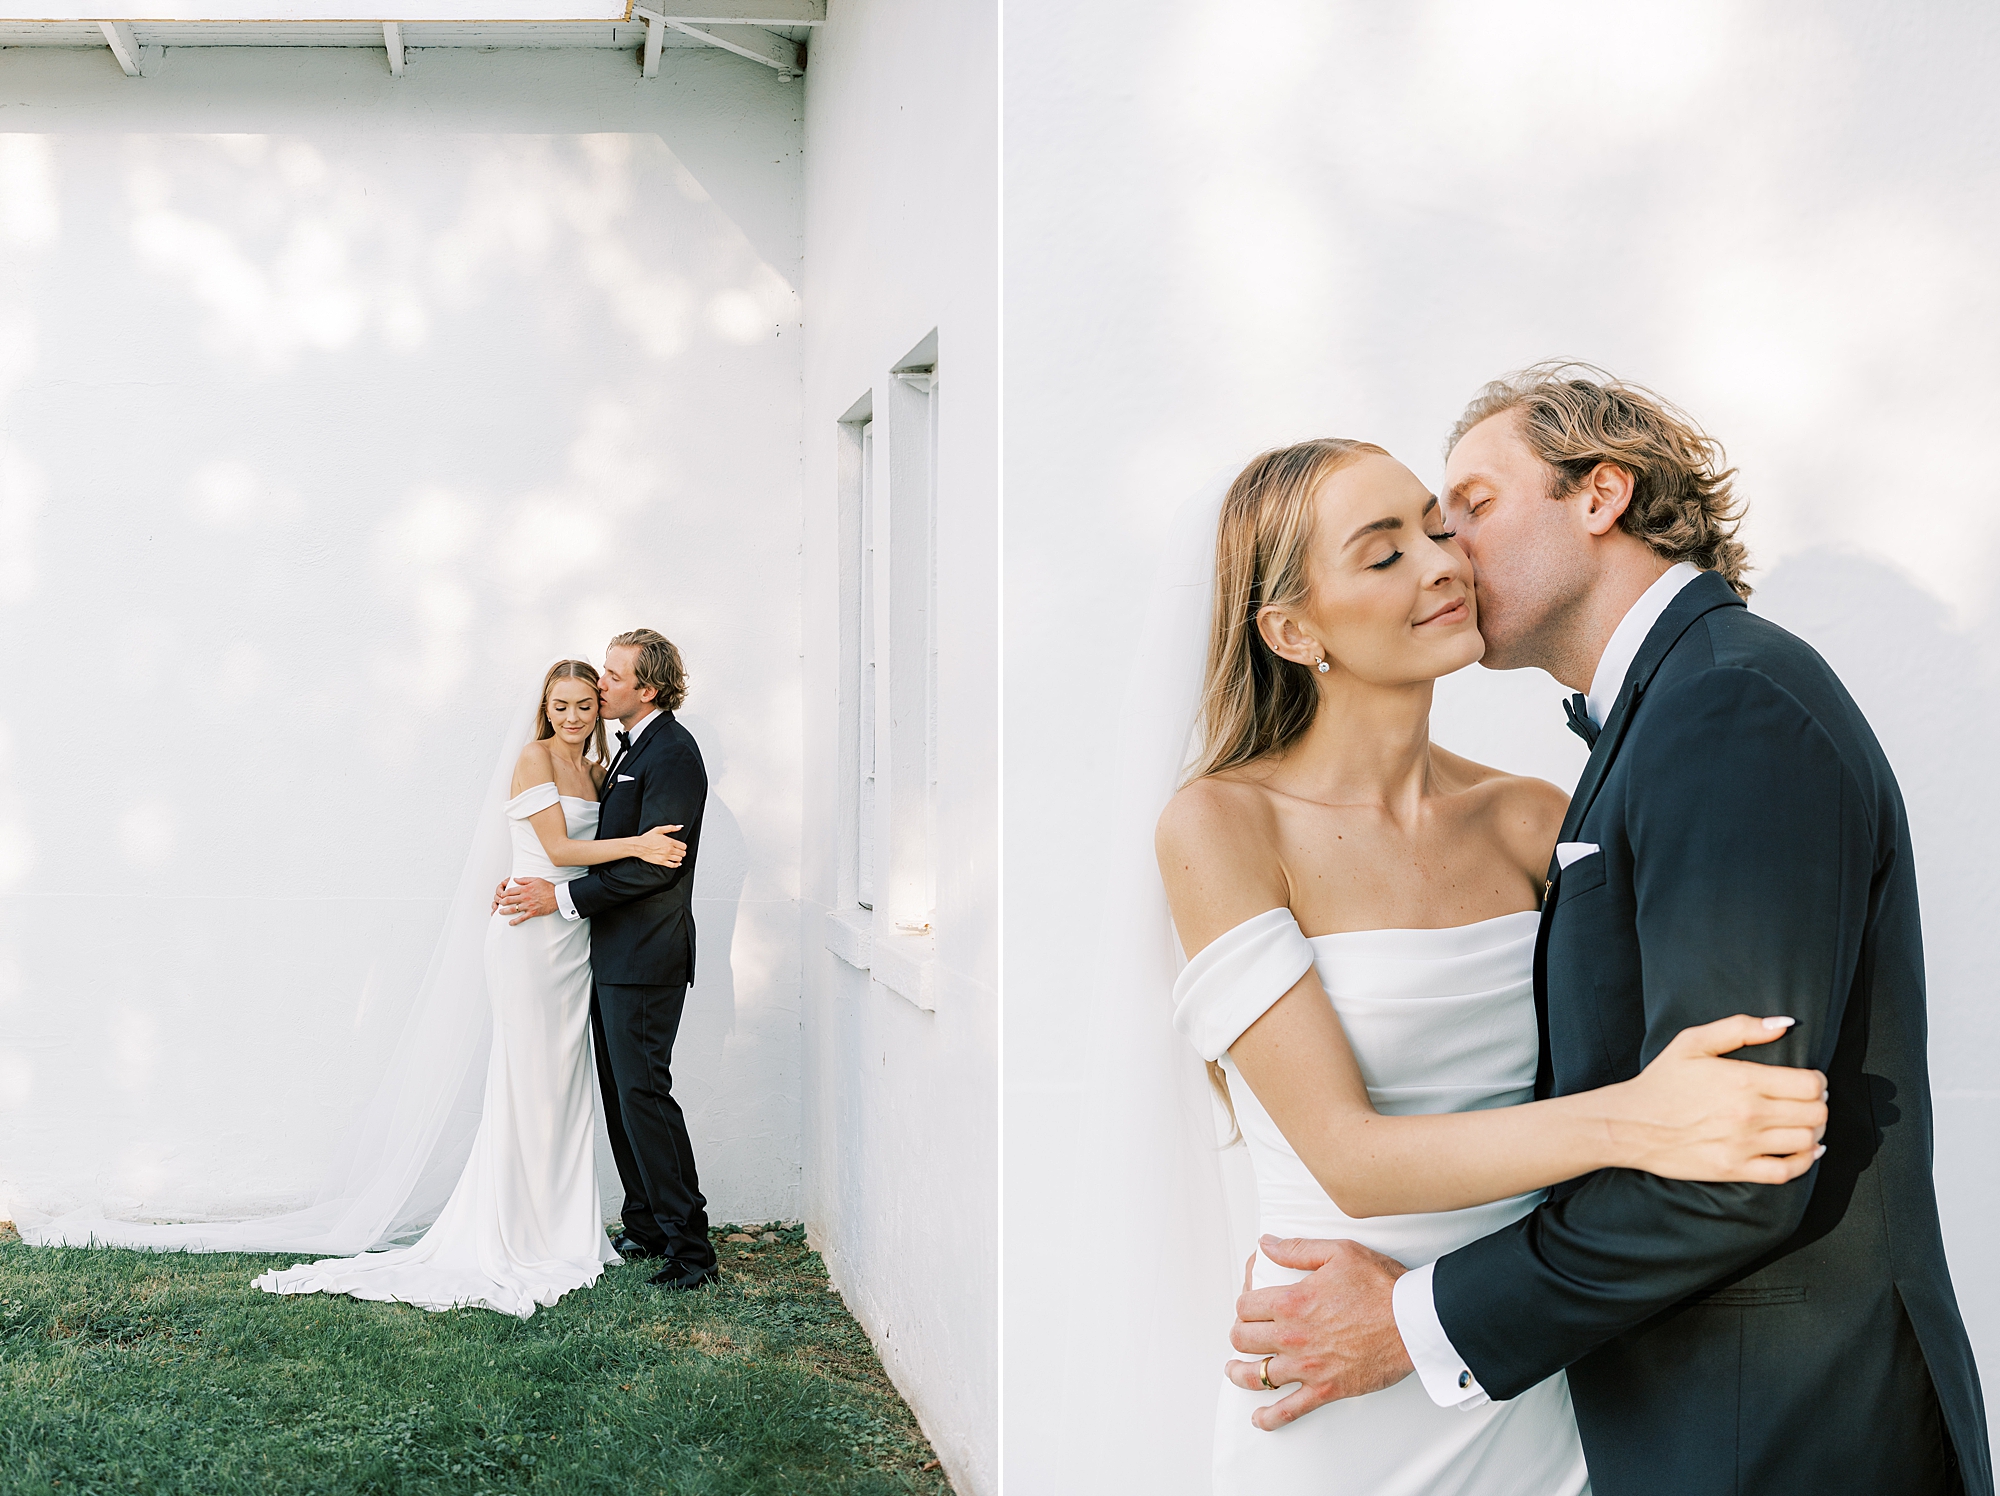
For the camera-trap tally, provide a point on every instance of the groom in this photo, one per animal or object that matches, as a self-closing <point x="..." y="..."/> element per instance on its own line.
<point x="642" y="955"/>
<point x="1737" y="843"/>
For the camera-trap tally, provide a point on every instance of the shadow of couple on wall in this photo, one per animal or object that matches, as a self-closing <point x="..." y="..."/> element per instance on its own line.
<point x="1929" y="684"/>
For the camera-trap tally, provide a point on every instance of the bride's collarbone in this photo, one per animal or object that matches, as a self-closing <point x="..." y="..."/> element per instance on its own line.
<point x="577" y="783"/>
<point x="577" y="787"/>
<point x="1354" y="877"/>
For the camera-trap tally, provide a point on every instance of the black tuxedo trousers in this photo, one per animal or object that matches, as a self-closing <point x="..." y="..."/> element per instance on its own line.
<point x="1738" y="1340"/>
<point x="633" y="1029"/>
<point x="642" y="961"/>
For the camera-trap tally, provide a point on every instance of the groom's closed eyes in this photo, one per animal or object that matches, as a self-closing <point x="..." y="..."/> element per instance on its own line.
<point x="1468" y="496"/>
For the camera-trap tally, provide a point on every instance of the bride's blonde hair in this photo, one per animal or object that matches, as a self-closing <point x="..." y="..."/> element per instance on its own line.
<point x="1253" y="701"/>
<point x="595" y="749"/>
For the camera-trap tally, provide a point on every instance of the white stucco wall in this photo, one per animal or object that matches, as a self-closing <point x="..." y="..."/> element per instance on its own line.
<point x="901" y="1103"/>
<point x="335" y="406"/>
<point x="1340" y="220"/>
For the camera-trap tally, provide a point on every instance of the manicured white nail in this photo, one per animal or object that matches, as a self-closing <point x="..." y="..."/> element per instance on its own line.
<point x="1819" y="1151"/>
<point x="1778" y="1023"/>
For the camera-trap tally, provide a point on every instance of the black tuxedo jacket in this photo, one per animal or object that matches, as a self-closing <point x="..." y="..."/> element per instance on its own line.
<point x="1754" y="857"/>
<point x="641" y="915"/>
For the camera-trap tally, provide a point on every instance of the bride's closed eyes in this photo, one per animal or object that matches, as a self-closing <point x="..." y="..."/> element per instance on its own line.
<point x="1394" y="556"/>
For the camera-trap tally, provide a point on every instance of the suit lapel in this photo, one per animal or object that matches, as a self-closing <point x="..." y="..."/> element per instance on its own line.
<point x="655" y="730"/>
<point x="1545" y="1065"/>
<point x="1703" y="595"/>
<point x="1605" y="749"/>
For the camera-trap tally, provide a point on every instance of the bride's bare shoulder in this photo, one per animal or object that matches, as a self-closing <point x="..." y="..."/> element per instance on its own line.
<point x="1217" y="846"/>
<point x="534" y="766"/>
<point x="1218" y="813"/>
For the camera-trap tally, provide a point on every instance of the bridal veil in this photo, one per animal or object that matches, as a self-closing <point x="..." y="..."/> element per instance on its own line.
<point x="411" y="1141"/>
<point x="1149" y="1326"/>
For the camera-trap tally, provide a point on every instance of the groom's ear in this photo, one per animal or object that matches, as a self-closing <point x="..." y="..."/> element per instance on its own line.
<point x="1606" y="495"/>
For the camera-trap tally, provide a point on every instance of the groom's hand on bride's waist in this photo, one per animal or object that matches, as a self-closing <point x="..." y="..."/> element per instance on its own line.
<point x="524" y="898"/>
<point x="1333" y="1333"/>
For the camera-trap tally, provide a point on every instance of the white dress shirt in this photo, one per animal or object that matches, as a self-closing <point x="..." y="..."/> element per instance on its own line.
<point x="564" y="906"/>
<point x="1446" y="1377"/>
<point x="1623" y="646"/>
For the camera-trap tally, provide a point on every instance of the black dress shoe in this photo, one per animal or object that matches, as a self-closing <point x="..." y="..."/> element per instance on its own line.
<point x="684" y="1275"/>
<point x="633" y="1251"/>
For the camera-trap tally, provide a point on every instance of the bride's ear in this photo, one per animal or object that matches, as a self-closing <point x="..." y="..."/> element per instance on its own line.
<point x="1286" y="639"/>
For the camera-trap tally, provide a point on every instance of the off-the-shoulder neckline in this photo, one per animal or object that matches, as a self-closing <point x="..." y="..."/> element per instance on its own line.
<point x="559" y="794"/>
<point x="1535" y="914"/>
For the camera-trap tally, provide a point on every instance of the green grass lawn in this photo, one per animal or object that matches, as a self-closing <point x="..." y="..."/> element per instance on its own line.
<point x="169" y="1373"/>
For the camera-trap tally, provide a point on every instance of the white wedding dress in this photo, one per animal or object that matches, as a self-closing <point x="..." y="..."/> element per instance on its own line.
<point x="525" y="1224"/>
<point x="1440" y="1021"/>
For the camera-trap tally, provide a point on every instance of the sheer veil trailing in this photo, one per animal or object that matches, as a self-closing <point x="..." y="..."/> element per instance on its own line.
<point x="1160" y="1298"/>
<point x="411" y="1141"/>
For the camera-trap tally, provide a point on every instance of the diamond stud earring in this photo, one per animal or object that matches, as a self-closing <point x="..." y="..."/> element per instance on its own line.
<point x="1324" y="667"/>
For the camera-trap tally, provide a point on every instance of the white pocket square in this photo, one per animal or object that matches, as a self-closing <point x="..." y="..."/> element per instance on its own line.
<point x="627" y="779"/>
<point x="1568" y="852"/>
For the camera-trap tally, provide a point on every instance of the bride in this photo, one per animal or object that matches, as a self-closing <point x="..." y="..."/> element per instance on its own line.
<point x="491" y="1161"/>
<point x="1359" y="909"/>
<point x="525" y="1224"/>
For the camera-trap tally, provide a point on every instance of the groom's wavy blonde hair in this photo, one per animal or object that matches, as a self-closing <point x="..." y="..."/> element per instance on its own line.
<point x="1574" y="416"/>
<point x="1255" y="702"/>
<point x="594" y="747"/>
<point x="656" y="663"/>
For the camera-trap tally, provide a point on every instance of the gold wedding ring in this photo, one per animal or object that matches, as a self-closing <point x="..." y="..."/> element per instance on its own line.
<point x="1264" y="1373"/>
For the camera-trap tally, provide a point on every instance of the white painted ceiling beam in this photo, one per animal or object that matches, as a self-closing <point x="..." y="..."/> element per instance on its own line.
<point x="749" y="12"/>
<point x="694" y="12"/>
<point x="745" y="41"/>
<point x="623" y="35"/>
<point x="392" y="43"/>
<point x="118" y="37"/>
<point x="656" y="35"/>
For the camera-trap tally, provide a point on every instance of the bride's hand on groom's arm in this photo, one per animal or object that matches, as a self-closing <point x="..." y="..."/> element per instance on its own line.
<point x="659" y="848"/>
<point x="1691" y="1114"/>
<point x="1334" y="1333"/>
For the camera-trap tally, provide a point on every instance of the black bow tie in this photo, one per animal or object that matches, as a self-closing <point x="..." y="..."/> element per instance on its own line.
<point x="617" y="761"/>
<point x="1577" y="709"/>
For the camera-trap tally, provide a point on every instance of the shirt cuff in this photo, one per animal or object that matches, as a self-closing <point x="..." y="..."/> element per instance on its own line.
<point x="564" y="905"/>
<point x="1447" y="1379"/>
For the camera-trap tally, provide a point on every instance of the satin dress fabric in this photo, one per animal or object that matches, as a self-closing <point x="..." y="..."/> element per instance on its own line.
<point x="1440" y="1021"/>
<point x="525" y="1224"/>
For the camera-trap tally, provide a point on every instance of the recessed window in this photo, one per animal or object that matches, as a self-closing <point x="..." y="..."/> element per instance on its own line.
<point x="864" y="717"/>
